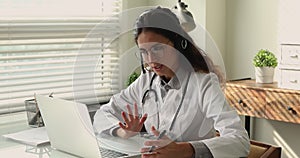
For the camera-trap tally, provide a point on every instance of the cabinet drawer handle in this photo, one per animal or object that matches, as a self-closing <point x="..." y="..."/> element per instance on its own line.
<point x="294" y="56"/>
<point x="292" y="110"/>
<point x="294" y="81"/>
<point x="240" y="101"/>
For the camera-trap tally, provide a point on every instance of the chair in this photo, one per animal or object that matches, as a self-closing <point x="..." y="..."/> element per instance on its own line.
<point x="262" y="150"/>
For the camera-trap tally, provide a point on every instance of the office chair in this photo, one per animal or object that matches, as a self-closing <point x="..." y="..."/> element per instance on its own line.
<point x="262" y="150"/>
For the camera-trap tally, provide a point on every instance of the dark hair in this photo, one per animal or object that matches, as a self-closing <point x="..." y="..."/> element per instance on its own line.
<point x="164" y="22"/>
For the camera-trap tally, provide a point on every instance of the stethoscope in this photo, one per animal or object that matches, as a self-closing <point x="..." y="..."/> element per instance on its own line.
<point x="150" y="90"/>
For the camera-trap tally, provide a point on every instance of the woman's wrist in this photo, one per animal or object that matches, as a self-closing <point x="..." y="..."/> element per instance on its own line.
<point x="187" y="149"/>
<point x="120" y="132"/>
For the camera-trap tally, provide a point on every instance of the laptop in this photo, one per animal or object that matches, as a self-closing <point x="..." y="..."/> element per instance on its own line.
<point x="70" y="129"/>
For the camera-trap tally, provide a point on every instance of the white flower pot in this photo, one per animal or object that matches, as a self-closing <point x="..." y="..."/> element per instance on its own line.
<point x="264" y="74"/>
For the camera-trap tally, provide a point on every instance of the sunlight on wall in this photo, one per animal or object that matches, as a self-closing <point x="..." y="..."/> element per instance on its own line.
<point x="285" y="147"/>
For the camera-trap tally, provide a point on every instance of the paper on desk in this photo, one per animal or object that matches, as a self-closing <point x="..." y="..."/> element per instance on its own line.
<point x="34" y="136"/>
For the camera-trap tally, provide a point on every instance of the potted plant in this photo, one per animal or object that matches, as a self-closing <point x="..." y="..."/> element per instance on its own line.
<point x="264" y="62"/>
<point x="132" y="77"/>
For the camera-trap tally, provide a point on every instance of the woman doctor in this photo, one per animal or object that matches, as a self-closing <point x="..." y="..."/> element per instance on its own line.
<point x="178" y="93"/>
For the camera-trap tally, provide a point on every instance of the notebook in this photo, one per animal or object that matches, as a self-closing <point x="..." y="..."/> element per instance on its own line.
<point x="69" y="127"/>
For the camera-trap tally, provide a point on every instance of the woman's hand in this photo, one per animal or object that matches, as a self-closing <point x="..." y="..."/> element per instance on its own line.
<point x="166" y="148"/>
<point x="132" y="123"/>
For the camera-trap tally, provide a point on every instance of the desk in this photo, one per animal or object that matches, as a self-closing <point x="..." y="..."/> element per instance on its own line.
<point x="267" y="101"/>
<point x="12" y="149"/>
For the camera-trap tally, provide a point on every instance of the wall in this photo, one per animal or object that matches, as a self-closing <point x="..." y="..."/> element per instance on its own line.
<point x="251" y="26"/>
<point x="216" y="23"/>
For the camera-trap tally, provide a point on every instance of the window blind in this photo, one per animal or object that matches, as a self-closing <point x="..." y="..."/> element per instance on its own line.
<point x="75" y="58"/>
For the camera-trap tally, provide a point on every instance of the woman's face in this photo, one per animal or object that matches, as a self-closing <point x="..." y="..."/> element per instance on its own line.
<point x="158" y="52"/>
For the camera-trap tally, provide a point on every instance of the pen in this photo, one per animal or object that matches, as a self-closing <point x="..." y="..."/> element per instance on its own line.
<point x="161" y="134"/>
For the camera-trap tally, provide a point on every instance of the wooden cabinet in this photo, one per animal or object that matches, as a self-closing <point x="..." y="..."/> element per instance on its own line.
<point x="264" y="100"/>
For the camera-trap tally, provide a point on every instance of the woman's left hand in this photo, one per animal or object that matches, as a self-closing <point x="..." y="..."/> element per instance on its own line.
<point x="166" y="148"/>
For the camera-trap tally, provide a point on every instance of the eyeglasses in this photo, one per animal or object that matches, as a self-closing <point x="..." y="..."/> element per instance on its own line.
<point x="156" y="50"/>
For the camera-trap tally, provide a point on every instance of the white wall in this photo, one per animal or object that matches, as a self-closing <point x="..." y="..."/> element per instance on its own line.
<point x="251" y="26"/>
<point x="216" y="23"/>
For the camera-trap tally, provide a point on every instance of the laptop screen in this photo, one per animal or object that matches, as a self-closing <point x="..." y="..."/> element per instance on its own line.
<point x="68" y="126"/>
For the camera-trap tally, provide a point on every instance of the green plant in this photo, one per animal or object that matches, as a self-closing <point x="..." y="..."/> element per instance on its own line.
<point x="132" y="77"/>
<point x="265" y="58"/>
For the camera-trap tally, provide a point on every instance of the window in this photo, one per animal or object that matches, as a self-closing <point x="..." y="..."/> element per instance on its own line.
<point x="66" y="48"/>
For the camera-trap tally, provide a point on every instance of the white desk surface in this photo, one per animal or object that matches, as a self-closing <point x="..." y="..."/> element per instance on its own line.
<point x="12" y="149"/>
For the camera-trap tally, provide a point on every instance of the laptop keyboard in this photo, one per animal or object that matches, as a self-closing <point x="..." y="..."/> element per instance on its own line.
<point x="106" y="153"/>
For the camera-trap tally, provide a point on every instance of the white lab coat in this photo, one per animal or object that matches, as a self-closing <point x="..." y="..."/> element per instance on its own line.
<point x="204" y="110"/>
